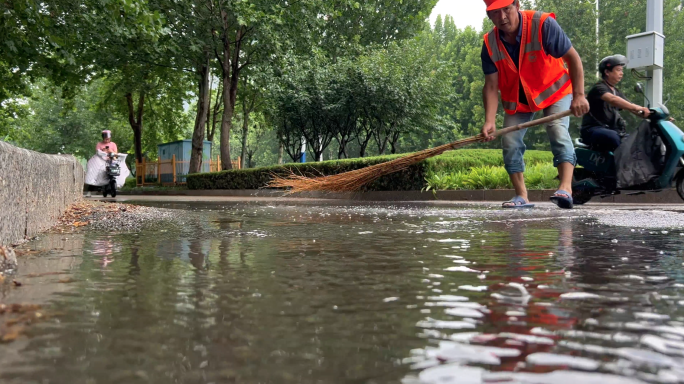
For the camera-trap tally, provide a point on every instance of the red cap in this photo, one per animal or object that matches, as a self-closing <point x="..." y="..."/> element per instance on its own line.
<point x="497" y="4"/>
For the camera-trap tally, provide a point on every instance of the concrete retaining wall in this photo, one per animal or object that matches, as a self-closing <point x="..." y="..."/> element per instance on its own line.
<point x="35" y="189"/>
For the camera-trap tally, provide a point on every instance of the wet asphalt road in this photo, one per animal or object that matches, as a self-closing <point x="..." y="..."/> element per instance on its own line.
<point x="622" y="215"/>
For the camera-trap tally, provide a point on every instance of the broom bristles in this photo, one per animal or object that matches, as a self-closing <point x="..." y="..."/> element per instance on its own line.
<point x="353" y="180"/>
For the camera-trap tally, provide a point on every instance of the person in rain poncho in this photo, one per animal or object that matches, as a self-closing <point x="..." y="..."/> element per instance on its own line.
<point x="96" y="173"/>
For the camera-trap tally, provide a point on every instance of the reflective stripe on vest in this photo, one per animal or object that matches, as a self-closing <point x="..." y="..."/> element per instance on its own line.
<point x="550" y="91"/>
<point x="535" y="44"/>
<point x="509" y="105"/>
<point x="496" y="55"/>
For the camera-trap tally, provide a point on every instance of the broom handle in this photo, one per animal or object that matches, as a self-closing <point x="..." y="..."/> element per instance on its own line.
<point x="532" y="123"/>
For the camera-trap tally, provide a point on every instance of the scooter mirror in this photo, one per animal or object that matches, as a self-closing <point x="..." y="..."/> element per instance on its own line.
<point x="639" y="88"/>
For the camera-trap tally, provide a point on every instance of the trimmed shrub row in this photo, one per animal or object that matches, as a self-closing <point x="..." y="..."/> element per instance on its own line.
<point x="410" y="179"/>
<point x="537" y="176"/>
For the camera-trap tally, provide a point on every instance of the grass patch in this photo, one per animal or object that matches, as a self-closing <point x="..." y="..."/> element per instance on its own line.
<point x="537" y="176"/>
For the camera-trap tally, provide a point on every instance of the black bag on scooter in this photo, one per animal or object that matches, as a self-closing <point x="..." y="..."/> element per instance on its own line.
<point x="639" y="159"/>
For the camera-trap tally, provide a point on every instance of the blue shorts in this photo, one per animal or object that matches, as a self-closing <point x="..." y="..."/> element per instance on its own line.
<point x="561" y="142"/>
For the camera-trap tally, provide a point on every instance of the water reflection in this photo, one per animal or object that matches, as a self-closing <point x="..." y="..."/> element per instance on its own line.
<point x="283" y="294"/>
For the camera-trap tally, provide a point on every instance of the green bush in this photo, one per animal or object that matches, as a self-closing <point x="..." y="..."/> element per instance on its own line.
<point x="413" y="178"/>
<point x="129" y="183"/>
<point x="537" y="176"/>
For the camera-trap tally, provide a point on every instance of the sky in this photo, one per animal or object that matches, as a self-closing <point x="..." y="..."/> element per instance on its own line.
<point x="464" y="12"/>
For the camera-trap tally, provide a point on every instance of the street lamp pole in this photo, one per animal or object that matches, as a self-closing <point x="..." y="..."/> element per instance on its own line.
<point x="598" y="49"/>
<point x="654" y="22"/>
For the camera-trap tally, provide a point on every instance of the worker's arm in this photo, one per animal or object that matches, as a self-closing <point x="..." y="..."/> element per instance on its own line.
<point x="490" y="98"/>
<point x="621" y="103"/>
<point x="580" y="105"/>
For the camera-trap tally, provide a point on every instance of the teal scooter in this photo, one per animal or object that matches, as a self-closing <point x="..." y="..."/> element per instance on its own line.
<point x="596" y="174"/>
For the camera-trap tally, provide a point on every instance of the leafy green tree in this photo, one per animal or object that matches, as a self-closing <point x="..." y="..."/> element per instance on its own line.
<point x="54" y="38"/>
<point x="351" y="25"/>
<point x="53" y="125"/>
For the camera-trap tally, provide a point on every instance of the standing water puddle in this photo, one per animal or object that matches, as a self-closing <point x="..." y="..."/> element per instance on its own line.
<point x="370" y="294"/>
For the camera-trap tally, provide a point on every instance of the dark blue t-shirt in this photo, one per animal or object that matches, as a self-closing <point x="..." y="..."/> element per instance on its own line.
<point x="555" y="43"/>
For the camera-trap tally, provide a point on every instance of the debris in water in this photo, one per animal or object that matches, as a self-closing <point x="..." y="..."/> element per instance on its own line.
<point x="439" y="324"/>
<point x="463" y="312"/>
<point x="552" y="359"/>
<point x="480" y="288"/>
<point x="579" y="296"/>
<point x="461" y="269"/>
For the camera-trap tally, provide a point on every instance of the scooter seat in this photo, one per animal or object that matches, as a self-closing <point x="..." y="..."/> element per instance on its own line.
<point x="580" y="144"/>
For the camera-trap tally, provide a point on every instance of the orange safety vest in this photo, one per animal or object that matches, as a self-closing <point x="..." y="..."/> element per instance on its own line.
<point x="544" y="78"/>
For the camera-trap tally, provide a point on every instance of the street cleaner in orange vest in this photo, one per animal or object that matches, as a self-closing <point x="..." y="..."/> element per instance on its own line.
<point x="529" y="59"/>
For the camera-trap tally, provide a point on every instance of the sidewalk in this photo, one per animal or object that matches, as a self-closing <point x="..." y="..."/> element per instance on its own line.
<point x="277" y="200"/>
<point x="665" y="197"/>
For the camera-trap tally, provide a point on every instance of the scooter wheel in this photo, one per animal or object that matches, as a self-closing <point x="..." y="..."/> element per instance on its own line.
<point x="680" y="184"/>
<point x="112" y="189"/>
<point x="581" y="197"/>
<point x="104" y="191"/>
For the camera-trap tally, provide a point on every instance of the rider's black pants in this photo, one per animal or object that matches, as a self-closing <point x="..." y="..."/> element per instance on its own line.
<point x="600" y="138"/>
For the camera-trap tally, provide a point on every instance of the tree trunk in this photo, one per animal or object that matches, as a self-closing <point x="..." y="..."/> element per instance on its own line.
<point x="280" y="153"/>
<point x="245" y="132"/>
<point x="203" y="101"/>
<point x="367" y="135"/>
<point x="342" y="151"/>
<point x="393" y="142"/>
<point x="381" y="142"/>
<point x="135" y="119"/>
<point x="208" y="119"/>
<point x="230" y="74"/>
<point x="247" y="106"/>
<point x="217" y="108"/>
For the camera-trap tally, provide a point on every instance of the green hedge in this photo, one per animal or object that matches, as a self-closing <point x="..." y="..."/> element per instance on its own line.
<point x="537" y="176"/>
<point x="413" y="178"/>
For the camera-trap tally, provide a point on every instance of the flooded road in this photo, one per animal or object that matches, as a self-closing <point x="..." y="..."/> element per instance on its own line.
<point x="283" y="293"/>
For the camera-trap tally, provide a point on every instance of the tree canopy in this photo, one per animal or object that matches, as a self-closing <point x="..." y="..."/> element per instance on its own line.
<point x="256" y="77"/>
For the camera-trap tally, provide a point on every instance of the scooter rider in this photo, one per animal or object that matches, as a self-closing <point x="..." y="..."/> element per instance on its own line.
<point x="603" y="128"/>
<point x="106" y="145"/>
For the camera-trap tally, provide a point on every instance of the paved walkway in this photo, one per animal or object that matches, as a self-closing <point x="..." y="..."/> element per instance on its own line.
<point x="321" y="201"/>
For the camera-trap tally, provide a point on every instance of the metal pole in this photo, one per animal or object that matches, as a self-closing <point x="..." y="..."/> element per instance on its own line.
<point x="598" y="49"/>
<point x="302" y="159"/>
<point x="320" y="144"/>
<point x="654" y="22"/>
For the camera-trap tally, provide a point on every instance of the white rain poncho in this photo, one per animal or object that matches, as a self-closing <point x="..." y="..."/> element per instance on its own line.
<point x="96" y="172"/>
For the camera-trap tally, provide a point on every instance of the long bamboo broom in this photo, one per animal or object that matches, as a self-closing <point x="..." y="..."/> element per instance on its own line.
<point x="353" y="180"/>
